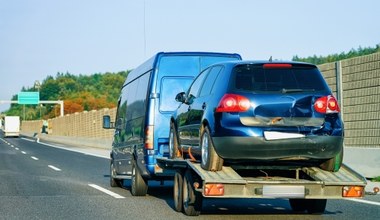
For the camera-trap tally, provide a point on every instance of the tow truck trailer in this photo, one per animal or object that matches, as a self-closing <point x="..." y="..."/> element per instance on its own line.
<point x="307" y="188"/>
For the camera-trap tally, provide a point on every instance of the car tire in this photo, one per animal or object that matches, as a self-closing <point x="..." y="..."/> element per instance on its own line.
<point x="333" y="164"/>
<point x="210" y="160"/>
<point x="139" y="186"/>
<point x="173" y="143"/>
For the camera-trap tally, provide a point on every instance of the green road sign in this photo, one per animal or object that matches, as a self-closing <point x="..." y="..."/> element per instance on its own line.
<point x="28" y="98"/>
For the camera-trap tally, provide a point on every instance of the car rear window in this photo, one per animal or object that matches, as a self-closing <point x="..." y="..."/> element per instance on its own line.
<point x="297" y="78"/>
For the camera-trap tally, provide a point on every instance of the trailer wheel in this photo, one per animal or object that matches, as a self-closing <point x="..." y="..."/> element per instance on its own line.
<point x="113" y="182"/>
<point x="192" y="200"/>
<point x="210" y="159"/>
<point x="173" y="143"/>
<point x="178" y="190"/>
<point x="298" y="205"/>
<point x="139" y="186"/>
<point x="316" y="206"/>
<point x="333" y="164"/>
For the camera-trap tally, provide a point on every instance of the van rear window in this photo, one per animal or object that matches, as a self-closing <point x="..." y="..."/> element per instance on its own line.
<point x="170" y="87"/>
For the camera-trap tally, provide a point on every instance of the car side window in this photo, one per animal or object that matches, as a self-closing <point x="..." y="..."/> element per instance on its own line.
<point x="210" y="80"/>
<point x="195" y="87"/>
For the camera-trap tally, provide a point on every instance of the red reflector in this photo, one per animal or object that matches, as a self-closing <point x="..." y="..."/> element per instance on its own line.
<point x="214" y="189"/>
<point x="233" y="103"/>
<point x="353" y="191"/>
<point x="277" y="65"/>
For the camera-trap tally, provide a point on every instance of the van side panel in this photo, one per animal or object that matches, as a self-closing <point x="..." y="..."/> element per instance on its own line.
<point x="147" y="100"/>
<point x="174" y="74"/>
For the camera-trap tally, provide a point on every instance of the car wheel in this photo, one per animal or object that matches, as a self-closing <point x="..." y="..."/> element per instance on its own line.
<point x="333" y="164"/>
<point x="210" y="159"/>
<point x="139" y="186"/>
<point x="173" y="143"/>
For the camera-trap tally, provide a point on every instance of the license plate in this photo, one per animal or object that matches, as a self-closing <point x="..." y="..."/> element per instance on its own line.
<point x="275" y="135"/>
<point x="284" y="191"/>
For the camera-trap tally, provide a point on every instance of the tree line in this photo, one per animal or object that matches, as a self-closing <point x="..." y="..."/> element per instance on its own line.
<point x="79" y="93"/>
<point x="361" y="51"/>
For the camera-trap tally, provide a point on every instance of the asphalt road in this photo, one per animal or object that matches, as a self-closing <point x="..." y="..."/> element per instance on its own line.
<point x="42" y="182"/>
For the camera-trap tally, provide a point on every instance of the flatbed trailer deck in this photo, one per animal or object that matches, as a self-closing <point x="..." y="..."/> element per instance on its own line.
<point x="307" y="188"/>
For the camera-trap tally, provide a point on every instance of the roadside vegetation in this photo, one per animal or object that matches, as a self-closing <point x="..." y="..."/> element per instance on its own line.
<point x="79" y="93"/>
<point x="336" y="57"/>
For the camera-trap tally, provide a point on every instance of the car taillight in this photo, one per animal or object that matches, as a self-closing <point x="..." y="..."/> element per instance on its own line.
<point x="326" y="105"/>
<point x="233" y="103"/>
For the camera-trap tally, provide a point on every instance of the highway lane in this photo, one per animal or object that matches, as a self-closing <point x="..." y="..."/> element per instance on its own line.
<point x="42" y="182"/>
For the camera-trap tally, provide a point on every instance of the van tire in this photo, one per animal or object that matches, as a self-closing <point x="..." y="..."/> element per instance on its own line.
<point x="173" y="143"/>
<point x="333" y="164"/>
<point x="210" y="159"/>
<point x="139" y="186"/>
<point x="114" y="182"/>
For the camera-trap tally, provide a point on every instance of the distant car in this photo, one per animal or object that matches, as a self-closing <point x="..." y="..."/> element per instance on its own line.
<point x="252" y="114"/>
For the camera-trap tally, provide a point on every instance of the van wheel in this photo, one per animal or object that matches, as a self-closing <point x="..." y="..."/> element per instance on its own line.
<point x="210" y="159"/>
<point x="139" y="186"/>
<point x="177" y="190"/>
<point x="192" y="200"/>
<point x="333" y="164"/>
<point x="113" y="182"/>
<point x="173" y="143"/>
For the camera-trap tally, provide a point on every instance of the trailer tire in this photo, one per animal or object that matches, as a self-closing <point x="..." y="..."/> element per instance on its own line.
<point x="114" y="182"/>
<point x="139" y="186"/>
<point x="173" y="143"/>
<point x="210" y="159"/>
<point x="333" y="164"/>
<point x="298" y="205"/>
<point x="178" y="191"/>
<point x="192" y="200"/>
<point x="316" y="206"/>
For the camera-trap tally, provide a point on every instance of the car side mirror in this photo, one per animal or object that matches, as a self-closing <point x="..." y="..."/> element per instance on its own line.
<point x="180" y="97"/>
<point x="107" y="124"/>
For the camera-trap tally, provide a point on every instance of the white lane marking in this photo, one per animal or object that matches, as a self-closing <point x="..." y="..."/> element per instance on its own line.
<point x="54" y="168"/>
<point x="106" y="191"/>
<point x="27" y="139"/>
<point x="23" y="152"/>
<point x="17" y="148"/>
<point x="76" y="151"/>
<point x="365" y="201"/>
<point x="34" y="158"/>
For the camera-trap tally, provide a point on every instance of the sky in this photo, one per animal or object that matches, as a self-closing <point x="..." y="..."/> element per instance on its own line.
<point x="39" y="38"/>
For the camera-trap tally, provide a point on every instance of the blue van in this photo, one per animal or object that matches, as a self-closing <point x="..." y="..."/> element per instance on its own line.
<point x="145" y="106"/>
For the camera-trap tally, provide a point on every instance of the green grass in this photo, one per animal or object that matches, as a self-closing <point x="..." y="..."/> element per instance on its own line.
<point x="376" y="179"/>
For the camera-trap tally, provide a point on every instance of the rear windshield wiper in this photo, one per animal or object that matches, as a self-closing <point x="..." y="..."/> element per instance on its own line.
<point x="296" y="90"/>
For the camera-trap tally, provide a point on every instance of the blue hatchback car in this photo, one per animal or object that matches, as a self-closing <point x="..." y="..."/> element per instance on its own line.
<point x="257" y="114"/>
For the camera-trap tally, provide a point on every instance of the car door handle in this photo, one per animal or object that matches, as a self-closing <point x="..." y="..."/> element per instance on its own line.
<point x="204" y="105"/>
